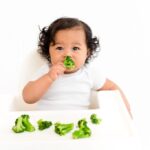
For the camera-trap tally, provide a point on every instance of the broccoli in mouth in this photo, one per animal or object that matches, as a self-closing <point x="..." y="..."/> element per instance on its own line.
<point x="69" y="63"/>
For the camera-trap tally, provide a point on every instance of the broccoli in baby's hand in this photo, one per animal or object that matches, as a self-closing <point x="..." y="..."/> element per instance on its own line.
<point x="95" y="119"/>
<point x="83" y="132"/>
<point x="69" y="63"/>
<point x="22" y="124"/>
<point x="43" y="124"/>
<point x="62" y="129"/>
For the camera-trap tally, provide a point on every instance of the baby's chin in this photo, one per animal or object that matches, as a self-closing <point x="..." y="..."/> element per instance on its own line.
<point x="68" y="71"/>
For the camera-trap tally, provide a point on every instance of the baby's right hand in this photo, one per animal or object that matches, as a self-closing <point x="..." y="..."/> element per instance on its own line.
<point x="56" y="70"/>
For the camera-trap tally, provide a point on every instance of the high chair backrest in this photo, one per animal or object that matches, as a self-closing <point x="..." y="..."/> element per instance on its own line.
<point x="29" y="66"/>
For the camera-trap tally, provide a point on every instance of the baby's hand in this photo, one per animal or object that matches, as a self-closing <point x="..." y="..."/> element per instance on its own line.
<point x="56" y="70"/>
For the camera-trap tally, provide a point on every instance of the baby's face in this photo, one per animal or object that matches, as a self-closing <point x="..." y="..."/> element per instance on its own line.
<point x="69" y="42"/>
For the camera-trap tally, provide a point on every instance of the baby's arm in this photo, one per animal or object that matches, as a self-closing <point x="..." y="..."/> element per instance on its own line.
<point x="34" y="90"/>
<point x="110" y="85"/>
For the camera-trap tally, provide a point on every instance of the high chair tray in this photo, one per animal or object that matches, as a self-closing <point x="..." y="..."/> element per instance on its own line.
<point x="116" y="128"/>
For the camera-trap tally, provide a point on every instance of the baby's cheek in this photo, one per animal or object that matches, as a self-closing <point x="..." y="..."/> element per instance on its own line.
<point x="55" y="61"/>
<point x="81" y="62"/>
<point x="78" y="65"/>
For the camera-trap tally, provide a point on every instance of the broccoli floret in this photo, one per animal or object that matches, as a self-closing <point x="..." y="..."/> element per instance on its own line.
<point x="62" y="129"/>
<point x="22" y="124"/>
<point x="82" y="123"/>
<point x="83" y="132"/>
<point x="28" y="126"/>
<point x="43" y="124"/>
<point x="95" y="119"/>
<point x="69" y="63"/>
<point x="18" y="127"/>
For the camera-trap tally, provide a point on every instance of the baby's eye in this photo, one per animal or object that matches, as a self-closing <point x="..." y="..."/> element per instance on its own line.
<point x="75" y="48"/>
<point x="59" y="48"/>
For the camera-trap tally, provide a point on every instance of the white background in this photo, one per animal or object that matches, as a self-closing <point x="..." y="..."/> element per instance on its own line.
<point x="123" y="27"/>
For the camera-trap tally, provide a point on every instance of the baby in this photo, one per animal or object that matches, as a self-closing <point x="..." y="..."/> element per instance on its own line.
<point x="67" y="80"/>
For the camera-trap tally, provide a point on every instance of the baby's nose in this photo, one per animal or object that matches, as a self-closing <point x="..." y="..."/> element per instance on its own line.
<point x="68" y="53"/>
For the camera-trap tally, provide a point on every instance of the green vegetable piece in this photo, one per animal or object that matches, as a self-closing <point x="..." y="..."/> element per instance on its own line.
<point x="43" y="124"/>
<point x="69" y="63"/>
<point x="18" y="127"/>
<point x="62" y="129"/>
<point x="84" y="132"/>
<point x="28" y="126"/>
<point x="82" y="123"/>
<point x="95" y="119"/>
<point x="22" y="124"/>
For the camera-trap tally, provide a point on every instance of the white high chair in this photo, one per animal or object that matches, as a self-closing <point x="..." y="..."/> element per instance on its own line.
<point x="30" y="65"/>
<point x="117" y="125"/>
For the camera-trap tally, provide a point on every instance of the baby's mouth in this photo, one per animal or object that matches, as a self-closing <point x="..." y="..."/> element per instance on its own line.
<point x="69" y="63"/>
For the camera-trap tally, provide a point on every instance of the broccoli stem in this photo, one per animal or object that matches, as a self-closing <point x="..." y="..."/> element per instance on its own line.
<point x="18" y="127"/>
<point x="62" y="129"/>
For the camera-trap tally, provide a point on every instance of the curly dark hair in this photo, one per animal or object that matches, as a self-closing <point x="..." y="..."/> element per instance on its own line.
<point x="47" y="36"/>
